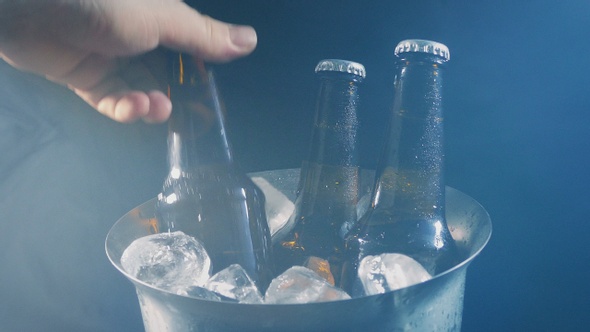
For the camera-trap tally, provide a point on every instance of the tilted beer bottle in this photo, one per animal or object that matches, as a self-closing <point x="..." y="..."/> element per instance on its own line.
<point x="329" y="178"/>
<point x="205" y="194"/>
<point x="407" y="212"/>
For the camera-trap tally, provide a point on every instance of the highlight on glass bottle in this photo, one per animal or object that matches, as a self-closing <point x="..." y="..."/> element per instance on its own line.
<point x="406" y="214"/>
<point x="329" y="179"/>
<point x="205" y="195"/>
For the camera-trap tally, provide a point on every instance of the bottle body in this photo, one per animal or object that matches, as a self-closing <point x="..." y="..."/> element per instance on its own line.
<point x="407" y="211"/>
<point x="225" y="212"/>
<point x="329" y="181"/>
<point x="205" y="194"/>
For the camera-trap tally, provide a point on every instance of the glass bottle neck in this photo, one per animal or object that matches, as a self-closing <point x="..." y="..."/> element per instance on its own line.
<point x="197" y="138"/>
<point x="329" y="176"/>
<point x="410" y="173"/>
<point x="333" y="139"/>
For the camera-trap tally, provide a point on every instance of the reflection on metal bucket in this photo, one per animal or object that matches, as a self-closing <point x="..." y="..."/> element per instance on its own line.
<point x="435" y="305"/>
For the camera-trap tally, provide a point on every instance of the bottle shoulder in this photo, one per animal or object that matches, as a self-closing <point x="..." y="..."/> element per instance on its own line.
<point x="211" y="186"/>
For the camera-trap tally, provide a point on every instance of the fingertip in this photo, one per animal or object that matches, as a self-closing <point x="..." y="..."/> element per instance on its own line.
<point x="243" y="37"/>
<point x="229" y="42"/>
<point x="131" y="107"/>
<point x="159" y="109"/>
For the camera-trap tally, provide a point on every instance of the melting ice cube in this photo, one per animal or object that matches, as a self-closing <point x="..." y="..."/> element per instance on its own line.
<point x="170" y="261"/>
<point x="361" y="208"/>
<point x="233" y="282"/>
<point x="279" y="207"/>
<point x="390" y="271"/>
<point x="302" y="285"/>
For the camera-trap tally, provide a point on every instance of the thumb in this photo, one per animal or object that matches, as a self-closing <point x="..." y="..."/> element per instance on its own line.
<point x="185" y="29"/>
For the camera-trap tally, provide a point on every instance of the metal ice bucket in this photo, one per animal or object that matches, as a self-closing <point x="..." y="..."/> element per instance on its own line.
<point x="435" y="305"/>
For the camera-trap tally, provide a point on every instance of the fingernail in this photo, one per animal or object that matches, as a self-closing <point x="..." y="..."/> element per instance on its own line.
<point x="243" y="36"/>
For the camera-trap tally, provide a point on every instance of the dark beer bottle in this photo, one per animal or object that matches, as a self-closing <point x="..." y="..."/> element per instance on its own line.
<point x="407" y="212"/>
<point x="205" y="194"/>
<point x="329" y="180"/>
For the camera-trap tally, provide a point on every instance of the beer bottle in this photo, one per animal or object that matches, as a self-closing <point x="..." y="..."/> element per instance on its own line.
<point x="407" y="212"/>
<point x="205" y="194"/>
<point x="329" y="179"/>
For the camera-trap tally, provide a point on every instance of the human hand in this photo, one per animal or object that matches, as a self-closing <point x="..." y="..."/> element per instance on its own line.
<point x="101" y="48"/>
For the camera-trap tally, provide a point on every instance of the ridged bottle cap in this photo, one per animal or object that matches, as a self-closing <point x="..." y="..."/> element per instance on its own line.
<point x="343" y="66"/>
<point x="423" y="46"/>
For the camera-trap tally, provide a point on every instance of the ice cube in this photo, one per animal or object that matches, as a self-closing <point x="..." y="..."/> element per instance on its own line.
<point x="390" y="271"/>
<point x="233" y="282"/>
<point x="302" y="285"/>
<point x="279" y="207"/>
<point x="363" y="204"/>
<point x="361" y="208"/>
<point x="170" y="261"/>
